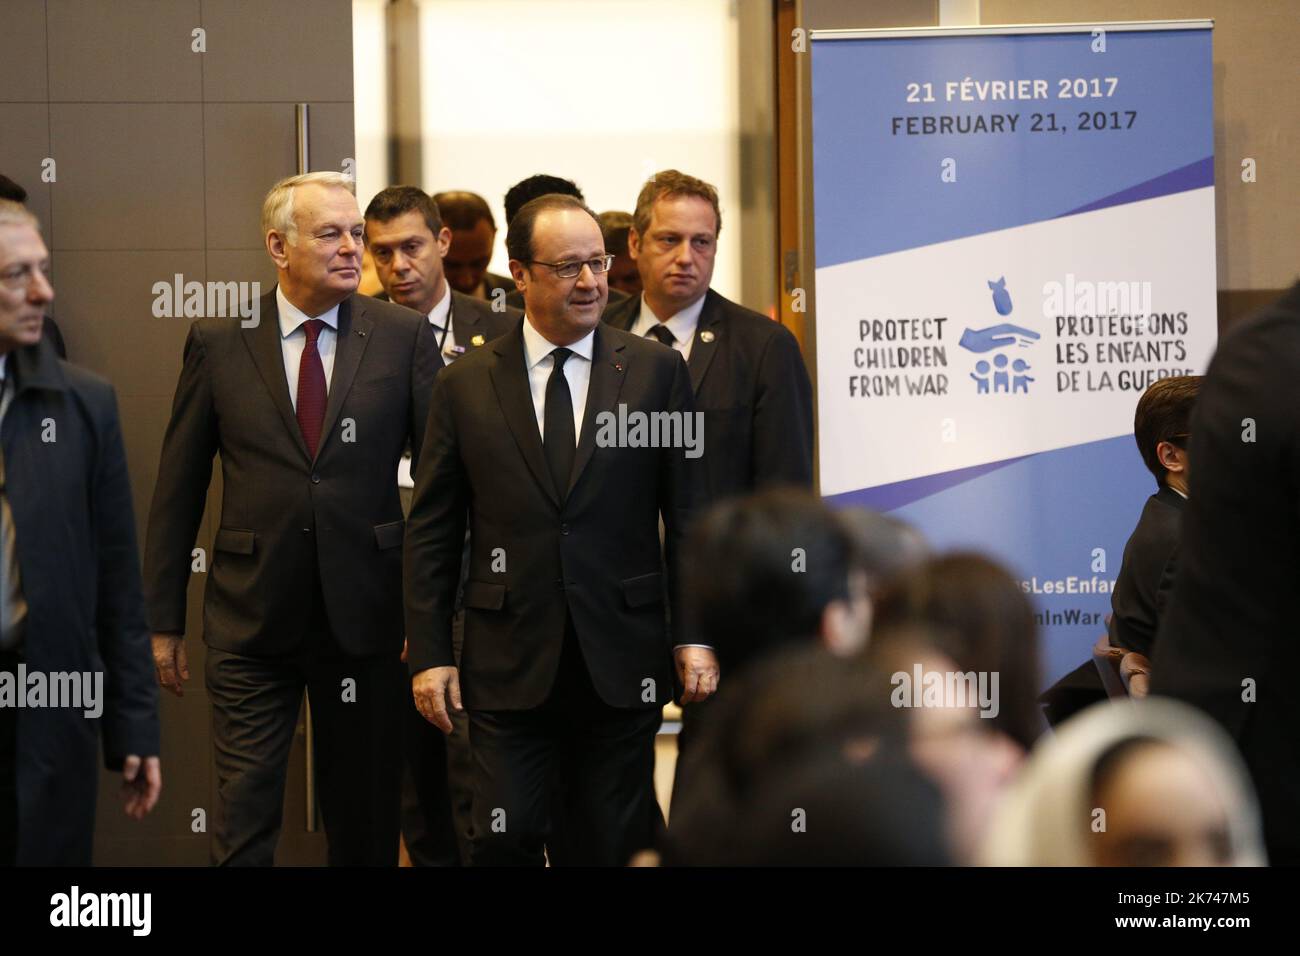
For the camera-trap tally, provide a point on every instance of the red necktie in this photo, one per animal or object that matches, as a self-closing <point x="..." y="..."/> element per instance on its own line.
<point x="311" y="388"/>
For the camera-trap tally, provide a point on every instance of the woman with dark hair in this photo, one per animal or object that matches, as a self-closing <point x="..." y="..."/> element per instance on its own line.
<point x="977" y="615"/>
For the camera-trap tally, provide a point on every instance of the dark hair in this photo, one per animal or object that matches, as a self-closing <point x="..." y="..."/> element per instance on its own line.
<point x="668" y="183"/>
<point x="614" y="226"/>
<point x="978" y="616"/>
<point x="888" y="545"/>
<point x="526" y="190"/>
<point x="1113" y="758"/>
<point x="1164" y="413"/>
<point x="463" y="210"/>
<point x="519" y="237"/>
<point x="11" y="190"/>
<point x="395" y="201"/>
<point x="759" y="571"/>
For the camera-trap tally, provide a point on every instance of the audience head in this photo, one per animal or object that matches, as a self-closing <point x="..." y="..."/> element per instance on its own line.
<point x="314" y="234"/>
<point x="473" y="235"/>
<point x="551" y="235"/>
<point x="11" y="190"/>
<point x="805" y="726"/>
<point x="889" y="545"/>
<point x="407" y="240"/>
<point x="1162" y="425"/>
<point x="979" y="617"/>
<point x="1130" y="783"/>
<point x="526" y="190"/>
<point x="25" y="288"/>
<point x="623" y="274"/>
<point x="674" y="238"/>
<point x="772" y="569"/>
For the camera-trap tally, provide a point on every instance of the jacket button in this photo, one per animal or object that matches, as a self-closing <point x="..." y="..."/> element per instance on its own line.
<point x="315" y="479"/>
<point x="306" y="530"/>
<point x="564" y="529"/>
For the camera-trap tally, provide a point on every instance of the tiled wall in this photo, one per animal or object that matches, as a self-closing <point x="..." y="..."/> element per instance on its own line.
<point x="163" y="155"/>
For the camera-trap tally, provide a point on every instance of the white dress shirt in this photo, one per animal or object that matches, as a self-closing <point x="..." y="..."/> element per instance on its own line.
<point x="577" y="372"/>
<point x="682" y="325"/>
<point x="440" y="318"/>
<point x="293" y="340"/>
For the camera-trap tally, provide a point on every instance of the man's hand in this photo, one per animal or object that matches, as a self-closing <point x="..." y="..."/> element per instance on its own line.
<point x="432" y="689"/>
<point x="697" y="668"/>
<point x="141" y="784"/>
<point x="170" y="662"/>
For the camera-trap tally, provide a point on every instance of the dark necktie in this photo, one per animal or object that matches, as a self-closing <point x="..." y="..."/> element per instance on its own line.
<point x="557" y="431"/>
<point x="311" y="388"/>
<point x="660" y="332"/>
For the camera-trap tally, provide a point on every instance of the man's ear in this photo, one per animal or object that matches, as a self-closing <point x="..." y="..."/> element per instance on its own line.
<point x="518" y="270"/>
<point x="633" y="243"/>
<point x="1171" y="457"/>
<point x="443" y="241"/>
<point x="277" y="249"/>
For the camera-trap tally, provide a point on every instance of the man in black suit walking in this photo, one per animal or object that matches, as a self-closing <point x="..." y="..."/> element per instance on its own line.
<point x="1230" y="643"/>
<point x="568" y="651"/>
<point x="747" y="373"/>
<point x="407" y="242"/>
<point x="311" y="409"/>
<point x="71" y="609"/>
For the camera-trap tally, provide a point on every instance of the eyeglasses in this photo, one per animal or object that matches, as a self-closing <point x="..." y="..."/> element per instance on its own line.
<point x="567" y="270"/>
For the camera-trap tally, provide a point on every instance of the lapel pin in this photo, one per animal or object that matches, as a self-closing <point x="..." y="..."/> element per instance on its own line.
<point x="360" y="333"/>
<point x="706" y="336"/>
<point x="476" y="340"/>
<point x="454" y="350"/>
<point x="618" y="366"/>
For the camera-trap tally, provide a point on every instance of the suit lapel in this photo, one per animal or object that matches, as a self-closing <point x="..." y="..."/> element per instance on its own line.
<point x="624" y="316"/>
<point x="510" y="380"/>
<point x="349" y="345"/>
<point x="704" y="346"/>
<point x="263" y="341"/>
<point x="607" y="373"/>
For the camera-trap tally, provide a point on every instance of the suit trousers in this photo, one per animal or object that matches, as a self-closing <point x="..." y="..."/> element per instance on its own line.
<point x="574" y="756"/>
<point x="9" y="769"/>
<point x="437" y="784"/>
<point x="356" y="717"/>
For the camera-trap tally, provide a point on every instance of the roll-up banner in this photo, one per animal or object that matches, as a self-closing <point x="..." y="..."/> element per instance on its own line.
<point x="1014" y="237"/>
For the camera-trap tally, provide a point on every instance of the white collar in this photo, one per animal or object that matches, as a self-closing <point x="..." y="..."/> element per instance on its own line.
<point x="291" y="316"/>
<point x="438" y="314"/>
<point x="537" y="346"/>
<point x="682" y="325"/>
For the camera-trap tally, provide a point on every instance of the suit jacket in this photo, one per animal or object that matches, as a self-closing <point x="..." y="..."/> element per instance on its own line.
<point x="1231" y="628"/>
<point x="1146" y="576"/>
<point x="75" y="537"/>
<point x="284" y="517"/>
<point x="750" y="382"/>
<point x="492" y="281"/>
<point x="538" y="555"/>
<point x="50" y="330"/>
<point x="471" y="318"/>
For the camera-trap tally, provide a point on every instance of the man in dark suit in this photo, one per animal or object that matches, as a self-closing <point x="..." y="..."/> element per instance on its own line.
<point x="473" y="234"/>
<point x="1161" y="426"/>
<point x="407" y="241"/>
<point x="1229" y="642"/>
<point x="568" y="652"/>
<point x="746" y="370"/>
<point x="311" y="409"/>
<point x="71" y="607"/>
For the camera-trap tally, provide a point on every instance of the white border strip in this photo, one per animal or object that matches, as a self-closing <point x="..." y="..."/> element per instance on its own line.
<point x="897" y="33"/>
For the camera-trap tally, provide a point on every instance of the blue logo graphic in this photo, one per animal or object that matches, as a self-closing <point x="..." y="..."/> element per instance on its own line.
<point x="1001" y="297"/>
<point x="995" y="377"/>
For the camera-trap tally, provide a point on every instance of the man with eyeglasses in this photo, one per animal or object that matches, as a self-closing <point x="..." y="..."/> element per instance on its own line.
<point x="70" y="597"/>
<point x="568" y="653"/>
<point x="1161" y="427"/>
<point x="747" y="372"/>
<point x="310" y="409"/>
